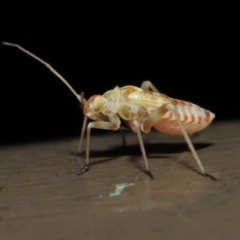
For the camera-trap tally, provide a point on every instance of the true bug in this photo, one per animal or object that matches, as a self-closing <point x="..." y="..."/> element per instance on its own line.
<point x="141" y="109"/>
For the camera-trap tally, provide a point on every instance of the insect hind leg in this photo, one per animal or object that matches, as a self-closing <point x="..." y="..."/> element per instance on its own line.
<point x="157" y="115"/>
<point x="146" y="85"/>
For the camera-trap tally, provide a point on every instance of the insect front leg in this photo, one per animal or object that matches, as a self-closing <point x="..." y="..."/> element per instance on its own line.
<point x="82" y="135"/>
<point x="157" y="115"/>
<point x="98" y="118"/>
<point x="98" y="125"/>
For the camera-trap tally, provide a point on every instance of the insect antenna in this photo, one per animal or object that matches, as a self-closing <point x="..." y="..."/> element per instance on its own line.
<point x="83" y="100"/>
<point x="79" y="97"/>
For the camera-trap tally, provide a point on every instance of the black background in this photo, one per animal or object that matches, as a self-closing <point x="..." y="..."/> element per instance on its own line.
<point x="189" y="52"/>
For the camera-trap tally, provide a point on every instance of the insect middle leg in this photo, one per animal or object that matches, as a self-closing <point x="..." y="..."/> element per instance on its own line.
<point x="113" y="126"/>
<point x="138" y="131"/>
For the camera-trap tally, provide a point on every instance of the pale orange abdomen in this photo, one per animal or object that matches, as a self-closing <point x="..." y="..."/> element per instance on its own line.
<point x="193" y="118"/>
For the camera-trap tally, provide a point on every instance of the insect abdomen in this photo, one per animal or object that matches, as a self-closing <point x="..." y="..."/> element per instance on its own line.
<point x="193" y="118"/>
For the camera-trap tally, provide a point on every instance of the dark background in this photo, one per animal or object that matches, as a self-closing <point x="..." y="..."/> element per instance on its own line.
<point x="189" y="52"/>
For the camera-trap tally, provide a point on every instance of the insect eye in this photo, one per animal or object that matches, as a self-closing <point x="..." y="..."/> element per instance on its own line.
<point x="98" y="103"/>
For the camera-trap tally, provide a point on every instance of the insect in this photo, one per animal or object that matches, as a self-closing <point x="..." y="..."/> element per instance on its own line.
<point x="141" y="109"/>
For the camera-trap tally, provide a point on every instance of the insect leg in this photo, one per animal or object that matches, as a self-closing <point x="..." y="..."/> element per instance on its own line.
<point x="99" y="118"/>
<point x="158" y="114"/>
<point x="146" y="85"/>
<point x="79" y="151"/>
<point x="124" y="142"/>
<point x="98" y="125"/>
<point x="137" y="126"/>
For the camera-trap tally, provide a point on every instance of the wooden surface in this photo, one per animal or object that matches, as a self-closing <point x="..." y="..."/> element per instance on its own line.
<point x="41" y="197"/>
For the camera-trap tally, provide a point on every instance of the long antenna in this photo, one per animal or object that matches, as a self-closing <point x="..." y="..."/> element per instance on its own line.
<point x="79" y="97"/>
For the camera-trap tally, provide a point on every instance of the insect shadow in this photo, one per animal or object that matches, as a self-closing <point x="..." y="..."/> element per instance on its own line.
<point x="133" y="151"/>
